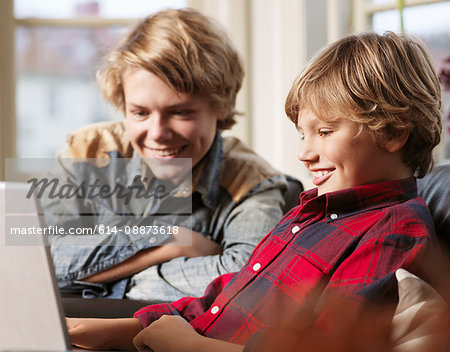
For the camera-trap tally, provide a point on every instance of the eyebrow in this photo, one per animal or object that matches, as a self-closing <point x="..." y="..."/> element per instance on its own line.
<point x="134" y="105"/>
<point x="181" y="105"/>
<point x="170" y="107"/>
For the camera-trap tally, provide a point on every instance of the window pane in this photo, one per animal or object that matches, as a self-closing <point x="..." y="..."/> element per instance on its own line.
<point x="56" y="90"/>
<point x="101" y="8"/>
<point x="386" y="20"/>
<point x="429" y="23"/>
<point x="418" y="20"/>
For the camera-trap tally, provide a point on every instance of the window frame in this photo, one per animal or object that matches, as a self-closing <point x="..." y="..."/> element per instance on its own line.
<point x="8" y="25"/>
<point x="363" y="10"/>
<point x="7" y="87"/>
<point x="223" y="11"/>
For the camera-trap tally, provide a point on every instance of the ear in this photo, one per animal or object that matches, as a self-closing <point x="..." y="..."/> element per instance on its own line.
<point x="396" y="143"/>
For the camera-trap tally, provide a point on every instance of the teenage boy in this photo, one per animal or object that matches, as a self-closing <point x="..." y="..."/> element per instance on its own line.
<point x="175" y="76"/>
<point x="368" y="111"/>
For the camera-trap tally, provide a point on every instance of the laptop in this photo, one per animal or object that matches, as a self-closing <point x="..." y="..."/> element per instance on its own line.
<point x="31" y="313"/>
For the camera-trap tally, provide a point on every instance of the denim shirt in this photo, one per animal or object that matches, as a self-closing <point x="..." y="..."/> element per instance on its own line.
<point x="236" y="198"/>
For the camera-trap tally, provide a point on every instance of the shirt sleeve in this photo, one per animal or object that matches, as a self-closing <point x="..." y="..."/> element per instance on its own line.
<point x="401" y="239"/>
<point x="243" y="229"/>
<point x="188" y="307"/>
<point x="365" y="280"/>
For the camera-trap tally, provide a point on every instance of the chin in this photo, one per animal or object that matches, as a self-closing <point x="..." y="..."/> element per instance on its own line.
<point x="172" y="170"/>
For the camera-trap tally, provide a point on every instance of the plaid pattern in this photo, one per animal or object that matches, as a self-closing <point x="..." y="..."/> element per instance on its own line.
<point x="350" y="241"/>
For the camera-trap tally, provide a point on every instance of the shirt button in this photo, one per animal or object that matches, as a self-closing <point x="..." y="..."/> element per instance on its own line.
<point x="186" y="190"/>
<point x="333" y="216"/>
<point x="152" y="239"/>
<point x="295" y="229"/>
<point x="214" y="309"/>
<point x="257" y="266"/>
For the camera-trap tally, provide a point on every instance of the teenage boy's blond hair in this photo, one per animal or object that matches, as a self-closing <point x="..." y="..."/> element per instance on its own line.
<point x="387" y="83"/>
<point x="185" y="50"/>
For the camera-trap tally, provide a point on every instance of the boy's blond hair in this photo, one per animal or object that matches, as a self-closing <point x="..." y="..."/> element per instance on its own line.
<point x="185" y="50"/>
<point x="387" y="83"/>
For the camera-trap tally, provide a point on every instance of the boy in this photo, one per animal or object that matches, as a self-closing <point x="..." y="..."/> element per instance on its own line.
<point x="175" y="76"/>
<point x="368" y="110"/>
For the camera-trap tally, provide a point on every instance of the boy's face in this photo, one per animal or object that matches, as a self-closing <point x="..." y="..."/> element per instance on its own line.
<point x="164" y="124"/>
<point x="339" y="158"/>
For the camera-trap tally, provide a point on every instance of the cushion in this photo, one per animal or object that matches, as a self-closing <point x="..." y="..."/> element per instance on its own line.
<point x="420" y="319"/>
<point x="434" y="188"/>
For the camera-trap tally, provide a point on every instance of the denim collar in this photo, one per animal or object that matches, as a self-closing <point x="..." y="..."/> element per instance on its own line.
<point x="206" y="174"/>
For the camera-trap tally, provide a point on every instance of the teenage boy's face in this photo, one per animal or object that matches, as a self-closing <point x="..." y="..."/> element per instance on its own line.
<point x="338" y="157"/>
<point x="165" y="124"/>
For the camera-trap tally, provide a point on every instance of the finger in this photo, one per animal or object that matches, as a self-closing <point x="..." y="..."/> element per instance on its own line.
<point x="138" y="342"/>
<point x="69" y="323"/>
<point x="143" y="348"/>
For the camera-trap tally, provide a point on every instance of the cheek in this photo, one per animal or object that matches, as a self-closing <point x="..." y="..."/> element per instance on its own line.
<point x="361" y="165"/>
<point x="187" y="130"/>
<point x="202" y="133"/>
<point x="335" y="153"/>
<point x="209" y="136"/>
<point x="134" y="131"/>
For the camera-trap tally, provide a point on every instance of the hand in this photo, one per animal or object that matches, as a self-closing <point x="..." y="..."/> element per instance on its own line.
<point x="102" y="334"/>
<point x="168" y="333"/>
<point x="88" y="333"/>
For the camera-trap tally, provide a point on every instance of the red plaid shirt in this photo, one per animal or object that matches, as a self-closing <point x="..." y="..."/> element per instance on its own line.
<point x="349" y="241"/>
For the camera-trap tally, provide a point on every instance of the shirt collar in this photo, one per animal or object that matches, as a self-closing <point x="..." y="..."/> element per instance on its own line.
<point x="206" y="175"/>
<point x="351" y="201"/>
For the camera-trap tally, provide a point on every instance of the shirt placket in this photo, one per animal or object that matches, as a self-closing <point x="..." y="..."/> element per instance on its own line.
<point x="255" y="267"/>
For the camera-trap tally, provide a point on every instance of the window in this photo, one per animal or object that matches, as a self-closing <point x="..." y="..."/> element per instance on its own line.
<point x="427" y="20"/>
<point x="58" y="46"/>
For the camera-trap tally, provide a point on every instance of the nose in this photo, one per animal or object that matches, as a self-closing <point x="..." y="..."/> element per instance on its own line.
<point x="307" y="151"/>
<point x="159" y="128"/>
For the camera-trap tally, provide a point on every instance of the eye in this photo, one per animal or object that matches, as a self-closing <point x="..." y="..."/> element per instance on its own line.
<point x="182" y="112"/>
<point x="325" y="133"/>
<point x="139" y="114"/>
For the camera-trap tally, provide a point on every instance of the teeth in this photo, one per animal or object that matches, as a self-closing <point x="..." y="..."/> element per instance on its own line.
<point x="322" y="173"/>
<point x="166" y="152"/>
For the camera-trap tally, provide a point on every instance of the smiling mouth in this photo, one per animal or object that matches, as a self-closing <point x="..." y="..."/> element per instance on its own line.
<point x="167" y="152"/>
<point x="321" y="176"/>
